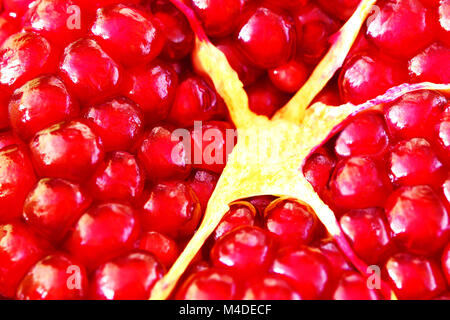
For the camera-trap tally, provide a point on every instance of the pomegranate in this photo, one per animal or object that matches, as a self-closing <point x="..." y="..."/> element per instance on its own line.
<point x="255" y="150"/>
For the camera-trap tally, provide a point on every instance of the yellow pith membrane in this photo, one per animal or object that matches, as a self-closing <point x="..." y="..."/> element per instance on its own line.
<point x="270" y="153"/>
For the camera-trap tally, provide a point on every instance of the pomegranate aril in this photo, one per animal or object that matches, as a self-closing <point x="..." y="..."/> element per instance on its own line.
<point x="219" y="17"/>
<point x="102" y="233"/>
<point x="365" y="77"/>
<point x="20" y="248"/>
<point x="209" y="284"/>
<point x="413" y="277"/>
<point x="444" y="21"/>
<point x="414" y="162"/>
<point x="130" y="277"/>
<point x="244" y="251"/>
<point x="359" y="182"/>
<point x="89" y="72"/>
<point x="180" y="38"/>
<point x="165" y="249"/>
<point x="16" y="180"/>
<point x="431" y="65"/>
<point x="295" y="263"/>
<point x="368" y="233"/>
<point x="443" y="137"/>
<point x="336" y="259"/>
<point x="418" y="219"/>
<point x="118" y="122"/>
<point x="270" y="287"/>
<point x="240" y="214"/>
<point x="291" y="223"/>
<point x="413" y="114"/>
<point x="16" y="8"/>
<point x="119" y="178"/>
<point x="39" y="103"/>
<point x="203" y="183"/>
<point x="195" y="100"/>
<point x="4" y="118"/>
<point x="56" y="277"/>
<point x="402" y="28"/>
<point x="23" y="56"/>
<point x="60" y="21"/>
<point x="212" y="142"/>
<point x="353" y="286"/>
<point x="264" y="98"/>
<point x="290" y="76"/>
<point x="173" y="209"/>
<point x="318" y="169"/>
<point x="267" y="38"/>
<point x="163" y="156"/>
<point x="69" y="150"/>
<point x="153" y="88"/>
<point x="127" y="34"/>
<point x="261" y="202"/>
<point x="53" y="206"/>
<point x="364" y="136"/>
<point x="8" y="138"/>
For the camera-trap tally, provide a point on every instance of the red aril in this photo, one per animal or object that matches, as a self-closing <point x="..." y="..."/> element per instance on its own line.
<point x="240" y="214"/>
<point x="162" y="247"/>
<point x="290" y="76"/>
<point x="203" y="183"/>
<point x="264" y="98"/>
<point x="431" y="64"/>
<point x="353" y="286"/>
<point x="270" y="287"/>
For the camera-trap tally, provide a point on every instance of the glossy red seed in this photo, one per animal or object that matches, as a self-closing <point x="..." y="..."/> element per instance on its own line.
<point x="56" y="277"/>
<point x="413" y="162"/>
<point x="265" y="99"/>
<point x="267" y="38"/>
<point x="203" y="183"/>
<point x="53" y="206"/>
<point x="60" y="21"/>
<point x="270" y="287"/>
<point x="359" y="182"/>
<point x="163" y="155"/>
<point x="119" y="178"/>
<point x="162" y="247"/>
<point x="69" y="150"/>
<point x="23" y="56"/>
<point x="261" y="202"/>
<point x="292" y="223"/>
<point x="443" y="137"/>
<point x="16" y="180"/>
<point x="173" y="209"/>
<point x="388" y="29"/>
<point x="16" y="8"/>
<point x="365" y="77"/>
<point x="444" y="21"/>
<point x="418" y="219"/>
<point x="118" y="122"/>
<point x="4" y="118"/>
<point x="414" y="277"/>
<point x="195" y="100"/>
<point x="180" y="38"/>
<point x="127" y="34"/>
<point x="353" y="286"/>
<point x="153" y="88"/>
<point x="431" y="65"/>
<point x="314" y="28"/>
<point x="210" y="284"/>
<point x="368" y="233"/>
<point x="335" y="258"/>
<point x="19" y="250"/>
<point x="40" y="103"/>
<point x="318" y="169"/>
<point x="290" y="76"/>
<point x="212" y="142"/>
<point x="245" y="251"/>
<point x="364" y="136"/>
<point x="8" y="138"/>
<point x="219" y="17"/>
<point x="240" y="214"/>
<point x="130" y="277"/>
<point x="296" y="263"/>
<point x="413" y="114"/>
<point x="88" y="71"/>
<point x="103" y="232"/>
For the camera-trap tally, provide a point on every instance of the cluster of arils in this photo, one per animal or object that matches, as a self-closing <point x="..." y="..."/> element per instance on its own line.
<point x="97" y="198"/>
